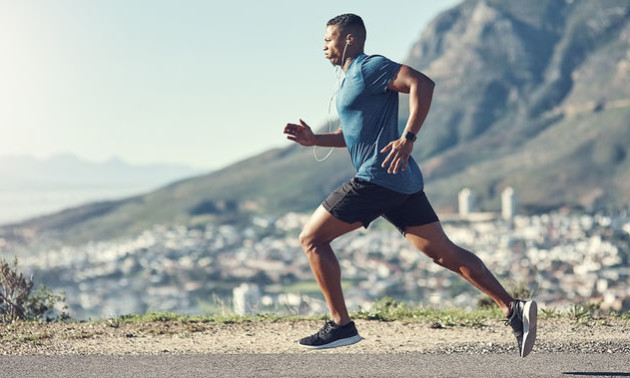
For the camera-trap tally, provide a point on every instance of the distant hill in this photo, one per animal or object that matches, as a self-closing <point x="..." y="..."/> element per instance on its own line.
<point x="30" y="186"/>
<point x="533" y="94"/>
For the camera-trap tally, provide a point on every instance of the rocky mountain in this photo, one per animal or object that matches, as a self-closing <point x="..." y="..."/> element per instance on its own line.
<point x="530" y="94"/>
<point x="535" y="95"/>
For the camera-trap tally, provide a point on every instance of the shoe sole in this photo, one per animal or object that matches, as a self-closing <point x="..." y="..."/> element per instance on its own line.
<point x="530" y="317"/>
<point x="337" y="343"/>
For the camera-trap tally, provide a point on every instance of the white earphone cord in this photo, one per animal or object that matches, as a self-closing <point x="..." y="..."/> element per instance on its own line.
<point x="330" y="130"/>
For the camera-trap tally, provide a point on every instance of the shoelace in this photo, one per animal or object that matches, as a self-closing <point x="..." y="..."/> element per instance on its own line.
<point x="327" y="327"/>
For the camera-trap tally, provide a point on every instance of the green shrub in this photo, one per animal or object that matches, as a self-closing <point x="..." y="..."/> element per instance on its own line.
<point x="18" y="301"/>
<point x="584" y="312"/>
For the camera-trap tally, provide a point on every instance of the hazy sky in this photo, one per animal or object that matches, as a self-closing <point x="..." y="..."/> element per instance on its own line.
<point x="203" y="83"/>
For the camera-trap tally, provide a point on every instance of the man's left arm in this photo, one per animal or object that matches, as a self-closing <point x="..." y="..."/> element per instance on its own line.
<point x="420" y="89"/>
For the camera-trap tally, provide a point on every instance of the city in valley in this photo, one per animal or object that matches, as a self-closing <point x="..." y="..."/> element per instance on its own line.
<point x="563" y="258"/>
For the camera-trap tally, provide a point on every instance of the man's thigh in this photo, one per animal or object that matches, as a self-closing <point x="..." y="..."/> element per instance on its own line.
<point x="324" y="227"/>
<point x="416" y="210"/>
<point x="430" y="239"/>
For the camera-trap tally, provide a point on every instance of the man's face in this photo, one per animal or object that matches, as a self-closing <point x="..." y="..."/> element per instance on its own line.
<point x="334" y="44"/>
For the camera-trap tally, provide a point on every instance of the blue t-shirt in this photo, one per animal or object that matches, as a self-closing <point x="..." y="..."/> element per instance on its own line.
<point x="369" y="120"/>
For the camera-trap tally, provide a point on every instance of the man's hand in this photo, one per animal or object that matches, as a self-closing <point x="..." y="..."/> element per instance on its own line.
<point x="399" y="152"/>
<point x="301" y="134"/>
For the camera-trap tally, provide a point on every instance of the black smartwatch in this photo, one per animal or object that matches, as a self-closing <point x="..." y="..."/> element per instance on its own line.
<point x="410" y="136"/>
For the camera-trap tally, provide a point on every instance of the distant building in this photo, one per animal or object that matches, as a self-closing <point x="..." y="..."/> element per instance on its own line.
<point x="246" y="298"/>
<point x="466" y="202"/>
<point x="509" y="203"/>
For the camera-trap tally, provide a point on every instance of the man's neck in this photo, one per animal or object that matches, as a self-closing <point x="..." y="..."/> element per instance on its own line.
<point x="349" y="60"/>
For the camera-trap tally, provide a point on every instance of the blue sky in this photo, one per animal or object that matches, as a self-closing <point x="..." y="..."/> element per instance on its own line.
<point x="201" y="83"/>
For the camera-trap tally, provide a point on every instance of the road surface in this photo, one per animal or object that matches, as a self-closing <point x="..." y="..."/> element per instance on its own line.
<point x="542" y="364"/>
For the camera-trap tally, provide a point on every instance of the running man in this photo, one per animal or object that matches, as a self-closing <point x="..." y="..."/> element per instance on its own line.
<point x="388" y="183"/>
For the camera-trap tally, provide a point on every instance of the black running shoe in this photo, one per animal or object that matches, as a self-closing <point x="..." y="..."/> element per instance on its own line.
<point x="331" y="336"/>
<point x="522" y="318"/>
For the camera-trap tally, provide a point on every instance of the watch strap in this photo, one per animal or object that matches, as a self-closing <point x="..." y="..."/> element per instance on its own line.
<point x="410" y="136"/>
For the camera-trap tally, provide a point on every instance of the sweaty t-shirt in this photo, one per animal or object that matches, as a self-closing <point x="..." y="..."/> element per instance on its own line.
<point x="369" y="120"/>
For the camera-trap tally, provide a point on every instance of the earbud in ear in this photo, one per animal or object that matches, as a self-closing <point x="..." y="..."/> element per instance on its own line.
<point x="348" y="41"/>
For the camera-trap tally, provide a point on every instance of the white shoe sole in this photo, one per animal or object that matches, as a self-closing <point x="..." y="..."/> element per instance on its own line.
<point x="530" y="317"/>
<point x="338" y="343"/>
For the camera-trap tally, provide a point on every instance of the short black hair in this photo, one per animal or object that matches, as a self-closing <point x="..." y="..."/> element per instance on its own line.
<point x="349" y="23"/>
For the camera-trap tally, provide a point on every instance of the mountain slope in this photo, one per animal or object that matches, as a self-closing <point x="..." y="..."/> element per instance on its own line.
<point x="510" y="72"/>
<point x="277" y="181"/>
<point x="31" y="187"/>
<point x="534" y="95"/>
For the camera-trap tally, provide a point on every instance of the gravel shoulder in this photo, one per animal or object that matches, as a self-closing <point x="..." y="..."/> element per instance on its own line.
<point x="279" y="337"/>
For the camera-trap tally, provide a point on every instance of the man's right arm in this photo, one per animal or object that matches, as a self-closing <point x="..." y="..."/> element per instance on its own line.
<point x="303" y="135"/>
<point x="334" y="139"/>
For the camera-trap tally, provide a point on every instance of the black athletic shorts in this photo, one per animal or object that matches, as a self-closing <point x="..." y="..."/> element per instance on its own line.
<point x="362" y="201"/>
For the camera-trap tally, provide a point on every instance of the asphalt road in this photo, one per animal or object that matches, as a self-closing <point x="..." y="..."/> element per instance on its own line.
<point x="320" y="365"/>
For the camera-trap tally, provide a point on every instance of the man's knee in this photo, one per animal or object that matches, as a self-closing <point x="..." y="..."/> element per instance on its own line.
<point x="457" y="259"/>
<point x="309" y="241"/>
<point x="443" y="254"/>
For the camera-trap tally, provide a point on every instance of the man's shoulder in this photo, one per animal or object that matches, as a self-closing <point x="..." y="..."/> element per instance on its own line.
<point x="377" y="71"/>
<point x="376" y="62"/>
<point x="377" y="59"/>
<point x="369" y="60"/>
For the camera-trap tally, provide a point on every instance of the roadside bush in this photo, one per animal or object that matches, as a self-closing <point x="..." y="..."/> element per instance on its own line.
<point x="18" y="301"/>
